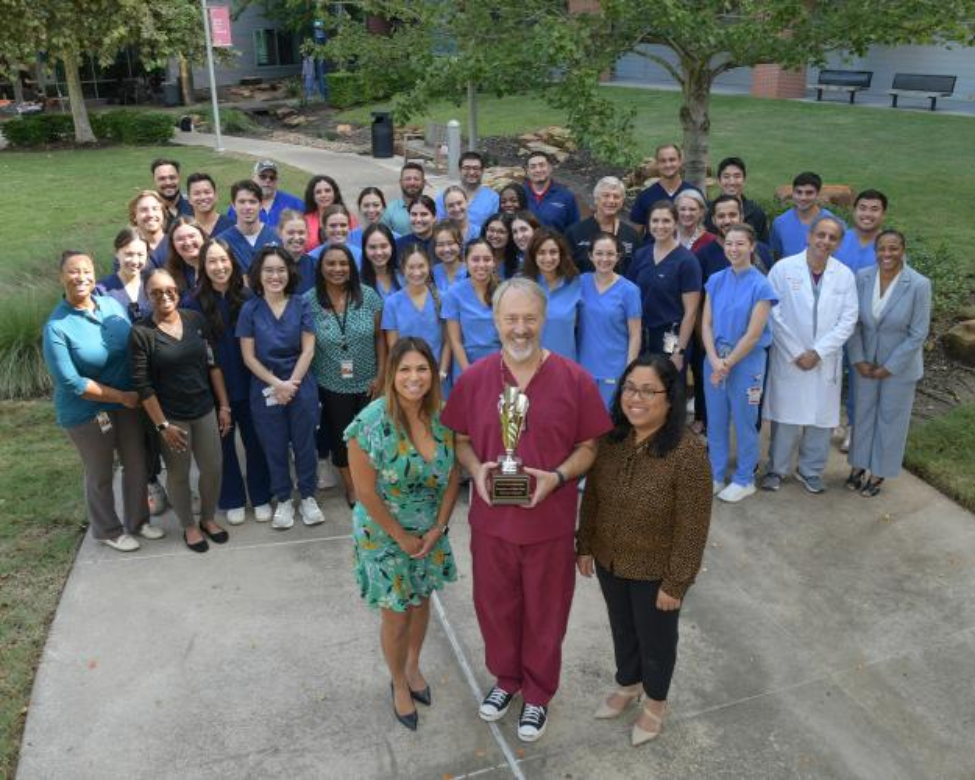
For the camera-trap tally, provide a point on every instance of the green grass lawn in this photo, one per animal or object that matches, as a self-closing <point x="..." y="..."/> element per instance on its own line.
<point x="942" y="451"/>
<point x="41" y="516"/>
<point x="925" y="162"/>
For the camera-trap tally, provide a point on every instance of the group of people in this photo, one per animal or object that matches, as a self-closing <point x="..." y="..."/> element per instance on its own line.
<point x="369" y="350"/>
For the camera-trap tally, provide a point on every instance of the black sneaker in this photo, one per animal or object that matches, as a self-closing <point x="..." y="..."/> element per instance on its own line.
<point x="531" y="724"/>
<point x="495" y="704"/>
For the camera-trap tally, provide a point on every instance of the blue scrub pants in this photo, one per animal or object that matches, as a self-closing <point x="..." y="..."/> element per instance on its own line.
<point x="731" y="403"/>
<point x="281" y="429"/>
<point x="232" y="492"/>
<point x="607" y="390"/>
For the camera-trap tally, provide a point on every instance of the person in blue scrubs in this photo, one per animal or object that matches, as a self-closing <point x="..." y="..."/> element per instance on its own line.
<point x="412" y="181"/>
<point x="147" y="213"/>
<point x="523" y="225"/>
<point x="248" y="235"/>
<point x="277" y="342"/>
<point x="736" y="333"/>
<point x="857" y="252"/>
<point x="497" y="232"/>
<point x="127" y="284"/>
<point x="380" y="265"/>
<point x="448" y="246"/>
<point x="670" y="164"/>
<point x="220" y="296"/>
<point x="471" y="331"/>
<point x="183" y="261"/>
<point x="273" y="201"/>
<point x="292" y="233"/>
<point x="414" y="311"/>
<point x="669" y="278"/>
<point x="552" y="203"/>
<point x="790" y="231"/>
<point x="336" y="229"/>
<point x="372" y="205"/>
<point x="482" y="201"/>
<point x="609" y="317"/>
<point x="549" y="262"/>
<point x="423" y="216"/>
<point x="456" y="205"/>
<point x="201" y="191"/>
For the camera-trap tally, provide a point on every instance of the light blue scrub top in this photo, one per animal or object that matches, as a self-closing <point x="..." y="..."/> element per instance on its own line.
<point x="854" y="256"/>
<point x="480" y="208"/>
<point x="733" y="298"/>
<point x="789" y="235"/>
<point x="400" y="314"/>
<point x="440" y="277"/>
<point x="387" y="292"/>
<point x="604" y="334"/>
<point x="478" y="333"/>
<point x="559" y="333"/>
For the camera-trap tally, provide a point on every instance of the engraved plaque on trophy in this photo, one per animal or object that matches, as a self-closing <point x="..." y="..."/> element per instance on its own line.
<point x="509" y="483"/>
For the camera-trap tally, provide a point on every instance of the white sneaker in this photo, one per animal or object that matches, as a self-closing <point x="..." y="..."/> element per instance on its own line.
<point x="735" y="492"/>
<point x="284" y="515"/>
<point x="263" y="513"/>
<point x="122" y="543"/>
<point x="236" y="516"/>
<point x="327" y="477"/>
<point x="147" y="531"/>
<point x="716" y="487"/>
<point x="310" y="513"/>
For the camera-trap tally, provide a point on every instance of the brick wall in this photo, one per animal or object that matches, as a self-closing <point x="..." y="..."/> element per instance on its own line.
<point x="773" y="81"/>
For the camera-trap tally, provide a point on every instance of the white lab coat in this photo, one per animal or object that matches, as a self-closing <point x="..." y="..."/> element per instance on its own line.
<point x="811" y="397"/>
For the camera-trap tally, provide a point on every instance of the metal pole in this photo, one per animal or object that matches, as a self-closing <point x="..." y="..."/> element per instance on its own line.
<point x="471" y="117"/>
<point x="218" y="143"/>
<point x="453" y="149"/>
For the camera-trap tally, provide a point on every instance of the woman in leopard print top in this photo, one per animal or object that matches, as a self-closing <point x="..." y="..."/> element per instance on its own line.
<point x="644" y="525"/>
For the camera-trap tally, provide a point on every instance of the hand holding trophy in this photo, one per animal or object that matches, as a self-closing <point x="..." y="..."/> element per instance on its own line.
<point x="510" y="485"/>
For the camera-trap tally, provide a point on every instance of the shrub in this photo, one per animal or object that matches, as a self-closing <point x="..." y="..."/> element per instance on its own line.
<point x="233" y="121"/>
<point x="344" y="89"/>
<point x="23" y="373"/>
<point x="39" y="130"/>
<point x="133" y="127"/>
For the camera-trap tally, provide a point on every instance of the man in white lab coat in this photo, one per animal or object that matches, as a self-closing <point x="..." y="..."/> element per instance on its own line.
<point x="816" y="315"/>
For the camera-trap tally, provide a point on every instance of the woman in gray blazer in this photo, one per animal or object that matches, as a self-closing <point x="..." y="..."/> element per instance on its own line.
<point x="886" y="351"/>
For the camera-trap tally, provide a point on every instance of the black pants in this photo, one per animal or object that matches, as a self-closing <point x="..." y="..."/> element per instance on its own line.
<point x="696" y="358"/>
<point x="644" y="638"/>
<point x="153" y="446"/>
<point x="338" y="410"/>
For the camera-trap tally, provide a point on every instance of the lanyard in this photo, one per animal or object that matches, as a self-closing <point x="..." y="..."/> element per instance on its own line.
<point x="342" y="323"/>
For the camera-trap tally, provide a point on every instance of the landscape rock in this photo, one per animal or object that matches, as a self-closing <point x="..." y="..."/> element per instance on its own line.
<point x="966" y="312"/>
<point x="284" y="112"/>
<point x="960" y="342"/>
<point x="539" y="146"/>
<point x="344" y="129"/>
<point x="831" y="194"/>
<point x="296" y="121"/>
<point x="499" y="177"/>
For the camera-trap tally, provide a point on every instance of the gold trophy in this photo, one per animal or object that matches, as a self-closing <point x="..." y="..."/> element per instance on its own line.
<point x="509" y="483"/>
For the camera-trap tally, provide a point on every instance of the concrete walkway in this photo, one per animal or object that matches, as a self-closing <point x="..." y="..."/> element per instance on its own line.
<point x="827" y="637"/>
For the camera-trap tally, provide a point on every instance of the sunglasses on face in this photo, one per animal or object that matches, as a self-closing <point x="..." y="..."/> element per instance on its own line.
<point x="164" y="292"/>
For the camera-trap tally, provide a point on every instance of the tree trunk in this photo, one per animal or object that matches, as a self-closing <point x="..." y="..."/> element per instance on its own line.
<point x="695" y="120"/>
<point x="186" y="81"/>
<point x="83" y="133"/>
<point x="18" y="85"/>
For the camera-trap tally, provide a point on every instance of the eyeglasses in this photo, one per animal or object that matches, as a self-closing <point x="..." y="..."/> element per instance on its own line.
<point x="471" y="168"/>
<point x="164" y="292"/>
<point x="643" y="393"/>
<point x="267" y="176"/>
<point x="274" y="272"/>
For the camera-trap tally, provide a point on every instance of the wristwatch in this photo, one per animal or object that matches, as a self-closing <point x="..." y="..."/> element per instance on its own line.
<point x="444" y="530"/>
<point x="678" y="351"/>
<point x="162" y="426"/>
<point x="561" y="477"/>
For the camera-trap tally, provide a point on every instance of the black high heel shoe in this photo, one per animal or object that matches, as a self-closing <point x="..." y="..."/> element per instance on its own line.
<point x="220" y="537"/>
<point x="412" y="720"/>
<point x="854" y="482"/>
<point x="424" y="697"/>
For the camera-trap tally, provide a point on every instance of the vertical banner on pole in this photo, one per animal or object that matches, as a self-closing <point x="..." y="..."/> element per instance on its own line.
<point x="220" y="26"/>
<point x="208" y="35"/>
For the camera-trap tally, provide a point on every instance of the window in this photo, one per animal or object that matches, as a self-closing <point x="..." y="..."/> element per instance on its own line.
<point x="274" y="47"/>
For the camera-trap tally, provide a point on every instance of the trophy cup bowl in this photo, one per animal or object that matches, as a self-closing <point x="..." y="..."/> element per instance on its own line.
<point x="509" y="484"/>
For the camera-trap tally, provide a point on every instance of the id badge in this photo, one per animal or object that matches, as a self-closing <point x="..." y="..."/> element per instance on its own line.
<point x="104" y="422"/>
<point x="754" y="395"/>
<point x="670" y="342"/>
<point x="345" y="368"/>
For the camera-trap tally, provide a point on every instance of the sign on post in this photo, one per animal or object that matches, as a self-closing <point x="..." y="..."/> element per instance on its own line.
<point x="220" y="26"/>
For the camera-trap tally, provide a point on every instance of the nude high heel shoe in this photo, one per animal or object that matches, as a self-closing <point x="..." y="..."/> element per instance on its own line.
<point x="630" y="694"/>
<point x="640" y="734"/>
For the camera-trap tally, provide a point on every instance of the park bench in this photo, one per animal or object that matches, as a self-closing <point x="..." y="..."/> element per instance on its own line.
<point x="850" y="81"/>
<point x="428" y="146"/>
<point x="921" y="86"/>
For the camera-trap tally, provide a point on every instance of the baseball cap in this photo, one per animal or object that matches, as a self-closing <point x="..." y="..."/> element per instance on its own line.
<point x="265" y="165"/>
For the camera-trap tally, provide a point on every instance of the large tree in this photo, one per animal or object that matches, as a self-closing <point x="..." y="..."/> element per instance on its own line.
<point x="66" y="30"/>
<point x="437" y="48"/>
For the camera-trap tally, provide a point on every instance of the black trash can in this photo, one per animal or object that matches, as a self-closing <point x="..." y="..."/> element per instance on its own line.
<point x="382" y="134"/>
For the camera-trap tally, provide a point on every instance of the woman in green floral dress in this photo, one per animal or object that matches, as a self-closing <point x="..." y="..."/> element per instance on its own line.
<point x="402" y="463"/>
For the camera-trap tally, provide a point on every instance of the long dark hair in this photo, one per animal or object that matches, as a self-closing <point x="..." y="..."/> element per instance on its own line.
<point x="353" y="286"/>
<point x="368" y="271"/>
<point x="669" y="435"/>
<point x="310" y="206"/>
<point x="207" y="296"/>
<point x="175" y="263"/>
<point x="509" y="255"/>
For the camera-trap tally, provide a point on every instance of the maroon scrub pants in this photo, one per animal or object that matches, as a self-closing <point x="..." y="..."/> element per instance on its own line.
<point x="522" y="596"/>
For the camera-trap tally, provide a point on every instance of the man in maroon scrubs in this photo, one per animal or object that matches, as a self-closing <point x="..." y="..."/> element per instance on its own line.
<point x="523" y="556"/>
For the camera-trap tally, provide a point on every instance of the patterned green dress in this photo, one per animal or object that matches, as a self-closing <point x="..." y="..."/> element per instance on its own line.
<point x="412" y="490"/>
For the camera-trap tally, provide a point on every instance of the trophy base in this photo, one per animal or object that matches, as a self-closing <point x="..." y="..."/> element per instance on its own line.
<point x="510" y="489"/>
